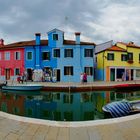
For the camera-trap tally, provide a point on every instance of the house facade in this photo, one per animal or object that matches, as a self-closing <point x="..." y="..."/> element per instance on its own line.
<point x="55" y="57"/>
<point x="11" y="61"/>
<point x="119" y="62"/>
<point x="63" y="59"/>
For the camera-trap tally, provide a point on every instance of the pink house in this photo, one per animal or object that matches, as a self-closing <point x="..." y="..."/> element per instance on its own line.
<point x="11" y="61"/>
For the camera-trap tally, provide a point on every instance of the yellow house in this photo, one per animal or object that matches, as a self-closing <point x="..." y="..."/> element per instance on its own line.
<point x="119" y="62"/>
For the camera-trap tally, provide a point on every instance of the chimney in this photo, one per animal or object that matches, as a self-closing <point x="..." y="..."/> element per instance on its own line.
<point x="37" y="38"/>
<point x="1" y="42"/>
<point x="77" y="37"/>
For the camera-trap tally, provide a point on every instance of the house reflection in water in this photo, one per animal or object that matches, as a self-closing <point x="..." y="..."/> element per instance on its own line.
<point x="12" y="103"/>
<point x="62" y="106"/>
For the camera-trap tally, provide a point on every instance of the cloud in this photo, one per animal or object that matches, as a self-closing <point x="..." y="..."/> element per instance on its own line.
<point x="97" y="20"/>
<point x="118" y="22"/>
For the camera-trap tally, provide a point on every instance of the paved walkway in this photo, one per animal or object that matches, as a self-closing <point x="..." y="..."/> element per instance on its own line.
<point x="20" y="128"/>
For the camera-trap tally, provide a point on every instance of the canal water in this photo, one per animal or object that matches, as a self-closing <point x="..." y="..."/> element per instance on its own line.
<point x="61" y="106"/>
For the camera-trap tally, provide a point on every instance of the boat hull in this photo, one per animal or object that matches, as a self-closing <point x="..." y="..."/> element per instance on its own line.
<point x="23" y="87"/>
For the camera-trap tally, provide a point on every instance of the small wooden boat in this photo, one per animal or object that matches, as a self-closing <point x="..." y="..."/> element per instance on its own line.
<point x="121" y="108"/>
<point x="23" y="87"/>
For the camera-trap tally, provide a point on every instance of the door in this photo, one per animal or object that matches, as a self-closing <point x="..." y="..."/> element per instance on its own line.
<point x="112" y="74"/>
<point x="29" y="74"/>
<point x="58" y="74"/>
<point x="132" y="74"/>
<point x="7" y="74"/>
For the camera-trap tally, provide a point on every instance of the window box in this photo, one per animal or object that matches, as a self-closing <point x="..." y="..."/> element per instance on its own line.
<point x="130" y="61"/>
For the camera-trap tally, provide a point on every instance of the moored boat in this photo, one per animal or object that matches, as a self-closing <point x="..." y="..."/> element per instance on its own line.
<point x="23" y="87"/>
<point x="121" y="108"/>
<point x="122" y="87"/>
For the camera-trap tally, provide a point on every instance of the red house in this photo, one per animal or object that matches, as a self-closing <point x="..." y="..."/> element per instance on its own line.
<point x="11" y="60"/>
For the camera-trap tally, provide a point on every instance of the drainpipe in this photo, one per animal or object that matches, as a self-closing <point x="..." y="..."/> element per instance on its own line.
<point x="103" y="64"/>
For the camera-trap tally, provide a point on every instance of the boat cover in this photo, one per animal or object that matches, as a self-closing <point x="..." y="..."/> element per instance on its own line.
<point x="118" y="108"/>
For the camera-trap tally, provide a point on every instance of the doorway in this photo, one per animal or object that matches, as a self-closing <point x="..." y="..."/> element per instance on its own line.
<point x="7" y="74"/>
<point x="112" y="74"/>
<point x="29" y="74"/>
<point x="58" y="75"/>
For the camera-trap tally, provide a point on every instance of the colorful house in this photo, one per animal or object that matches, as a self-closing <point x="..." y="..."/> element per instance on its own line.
<point x="11" y="60"/>
<point x="55" y="58"/>
<point x="119" y="62"/>
<point x="60" y="58"/>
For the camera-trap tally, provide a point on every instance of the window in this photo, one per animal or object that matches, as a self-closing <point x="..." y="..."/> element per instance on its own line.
<point x="88" y="70"/>
<point x="45" y="55"/>
<point x="29" y="55"/>
<point x="68" y="70"/>
<point x="55" y="36"/>
<point x="88" y="115"/>
<point x="120" y="73"/>
<point x="15" y="110"/>
<point x="17" y="55"/>
<point x="88" y="52"/>
<point x="68" y="115"/>
<point x="138" y="73"/>
<point x="56" y="52"/>
<point x="68" y="99"/>
<point x="68" y="53"/>
<point x="110" y="56"/>
<point x="7" y="55"/>
<point x="124" y="57"/>
<point x="130" y="56"/>
<point x="86" y="97"/>
<point x="17" y="71"/>
<point x="46" y="113"/>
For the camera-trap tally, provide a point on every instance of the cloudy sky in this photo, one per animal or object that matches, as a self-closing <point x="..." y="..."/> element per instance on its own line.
<point x="97" y="20"/>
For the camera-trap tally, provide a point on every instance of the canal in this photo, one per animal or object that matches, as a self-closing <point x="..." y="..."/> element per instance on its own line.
<point x="61" y="106"/>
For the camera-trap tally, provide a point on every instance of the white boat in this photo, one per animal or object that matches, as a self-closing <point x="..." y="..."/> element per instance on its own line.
<point x="121" y="108"/>
<point x="23" y="87"/>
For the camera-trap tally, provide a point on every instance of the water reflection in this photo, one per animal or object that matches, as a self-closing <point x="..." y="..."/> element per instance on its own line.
<point x="61" y="106"/>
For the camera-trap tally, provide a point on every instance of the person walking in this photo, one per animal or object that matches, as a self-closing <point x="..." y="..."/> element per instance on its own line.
<point x="85" y="78"/>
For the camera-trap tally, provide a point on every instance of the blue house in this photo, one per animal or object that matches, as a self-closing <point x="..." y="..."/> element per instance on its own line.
<point x="63" y="59"/>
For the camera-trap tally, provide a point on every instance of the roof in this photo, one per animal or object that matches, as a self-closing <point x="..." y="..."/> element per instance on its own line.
<point x="23" y="44"/>
<point x="43" y="43"/>
<point x="130" y="44"/>
<point x="54" y="30"/>
<point x="116" y="48"/>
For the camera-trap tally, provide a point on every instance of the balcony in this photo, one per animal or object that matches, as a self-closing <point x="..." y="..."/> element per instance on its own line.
<point x="130" y="61"/>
